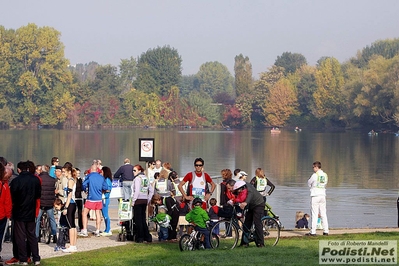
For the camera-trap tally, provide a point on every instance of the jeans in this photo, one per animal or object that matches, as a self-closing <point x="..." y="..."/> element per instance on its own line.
<point x="50" y="215"/>
<point x="163" y="233"/>
<point x="206" y="232"/>
<point x="127" y="189"/>
<point x="3" y="228"/>
<point x="107" y="220"/>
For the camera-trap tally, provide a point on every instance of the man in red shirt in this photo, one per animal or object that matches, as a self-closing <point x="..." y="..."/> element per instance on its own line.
<point x="197" y="184"/>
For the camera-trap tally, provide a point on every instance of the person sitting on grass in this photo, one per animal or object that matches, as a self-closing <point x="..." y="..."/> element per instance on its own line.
<point x="199" y="217"/>
<point x="303" y="222"/>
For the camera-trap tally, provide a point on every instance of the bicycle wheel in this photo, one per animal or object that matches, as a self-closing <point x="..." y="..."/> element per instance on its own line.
<point x="48" y="230"/>
<point x="214" y="240"/>
<point x="228" y="235"/>
<point x="45" y="229"/>
<point x="271" y="231"/>
<point x="186" y="243"/>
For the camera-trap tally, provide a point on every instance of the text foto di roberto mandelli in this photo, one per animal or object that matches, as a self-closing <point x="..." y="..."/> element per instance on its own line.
<point x="358" y="251"/>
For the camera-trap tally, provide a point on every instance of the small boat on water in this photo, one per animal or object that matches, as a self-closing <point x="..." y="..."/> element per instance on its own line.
<point x="373" y="133"/>
<point x="275" y="130"/>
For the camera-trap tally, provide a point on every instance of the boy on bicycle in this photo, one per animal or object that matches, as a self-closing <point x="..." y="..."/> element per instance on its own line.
<point x="199" y="217"/>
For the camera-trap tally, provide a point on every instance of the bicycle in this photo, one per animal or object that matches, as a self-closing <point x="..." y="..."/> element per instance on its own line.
<point x="45" y="229"/>
<point x="196" y="241"/>
<point x="229" y="231"/>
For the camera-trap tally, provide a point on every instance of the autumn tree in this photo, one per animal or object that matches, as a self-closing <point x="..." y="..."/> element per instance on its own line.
<point x="34" y="60"/>
<point x="328" y="97"/>
<point x="281" y="103"/>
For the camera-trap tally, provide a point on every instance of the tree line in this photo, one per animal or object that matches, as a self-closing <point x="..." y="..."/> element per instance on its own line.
<point x="39" y="87"/>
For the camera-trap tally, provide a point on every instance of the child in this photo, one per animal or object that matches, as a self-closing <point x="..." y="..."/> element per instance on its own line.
<point x="183" y="210"/>
<point x="199" y="217"/>
<point x="303" y="222"/>
<point x="213" y="214"/>
<point x="163" y="220"/>
<point x="63" y="229"/>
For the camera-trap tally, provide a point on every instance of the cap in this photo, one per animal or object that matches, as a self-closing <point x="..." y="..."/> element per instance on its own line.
<point x="239" y="184"/>
<point x="242" y="173"/>
<point x="58" y="167"/>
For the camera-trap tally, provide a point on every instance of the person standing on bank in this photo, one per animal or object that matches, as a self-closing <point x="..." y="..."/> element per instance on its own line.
<point x="24" y="211"/>
<point x="141" y="195"/>
<point x="125" y="175"/>
<point x="317" y="183"/>
<point x="46" y="202"/>
<point x="197" y="184"/>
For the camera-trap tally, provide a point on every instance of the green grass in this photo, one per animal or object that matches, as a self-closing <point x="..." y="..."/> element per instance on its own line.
<point x="289" y="251"/>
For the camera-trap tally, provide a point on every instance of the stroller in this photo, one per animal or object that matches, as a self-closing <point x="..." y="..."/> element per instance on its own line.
<point x="269" y="212"/>
<point x="125" y="216"/>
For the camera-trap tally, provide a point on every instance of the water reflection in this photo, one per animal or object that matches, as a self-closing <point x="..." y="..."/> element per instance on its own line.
<point x="363" y="170"/>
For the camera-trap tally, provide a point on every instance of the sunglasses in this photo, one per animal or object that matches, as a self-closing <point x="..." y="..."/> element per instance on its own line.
<point x="198" y="165"/>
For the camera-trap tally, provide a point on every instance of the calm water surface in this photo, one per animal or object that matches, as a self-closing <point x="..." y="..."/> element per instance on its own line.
<point x="363" y="170"/>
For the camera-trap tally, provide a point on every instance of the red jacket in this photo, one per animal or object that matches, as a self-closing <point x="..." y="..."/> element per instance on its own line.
<point x="5" y="200"/>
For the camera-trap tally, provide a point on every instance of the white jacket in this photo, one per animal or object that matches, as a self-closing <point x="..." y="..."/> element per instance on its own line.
<point x="317" y="183"/>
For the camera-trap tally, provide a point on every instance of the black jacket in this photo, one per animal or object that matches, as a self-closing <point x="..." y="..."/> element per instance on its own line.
<point x="48" y="188"/>
<point x="25" y="190"/>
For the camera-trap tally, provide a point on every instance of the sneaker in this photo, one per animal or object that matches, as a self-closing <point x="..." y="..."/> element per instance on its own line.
<point x="23" y="263"/>
<point x="309" y="234"/>
<point x="12" y="261"/>
<point x="71" y="249"/>
<point x="29" y="261"/>
<point x="37" y="262"/>
<point x="97" y="233"/>
<point x="83" y="233"/>
<point x="325" y="234"/>
<point x="106" y="234"/>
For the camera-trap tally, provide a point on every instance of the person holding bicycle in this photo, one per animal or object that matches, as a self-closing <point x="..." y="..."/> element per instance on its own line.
<point x="199" y="217"/>
<point x="255" y="205"/>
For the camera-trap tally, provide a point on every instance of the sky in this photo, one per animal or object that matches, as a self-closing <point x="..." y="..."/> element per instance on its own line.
<point x="106" y="31"/>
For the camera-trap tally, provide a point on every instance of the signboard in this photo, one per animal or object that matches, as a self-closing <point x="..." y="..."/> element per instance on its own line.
<point x="116" y="191"/>
<point x="146" y="149"/>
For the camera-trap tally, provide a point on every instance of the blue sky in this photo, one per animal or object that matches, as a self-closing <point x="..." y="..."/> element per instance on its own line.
<point x="107" y="31"/>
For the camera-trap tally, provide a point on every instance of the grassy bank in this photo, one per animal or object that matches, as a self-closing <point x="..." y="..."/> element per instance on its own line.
<point x="289" y="251"/>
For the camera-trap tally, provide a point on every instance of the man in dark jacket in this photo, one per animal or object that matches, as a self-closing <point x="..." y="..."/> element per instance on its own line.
<point x="25" y="190"/>
<point x="47" y="201"/>
<point x="256" y="206"/>
<point x="125" y="175"/>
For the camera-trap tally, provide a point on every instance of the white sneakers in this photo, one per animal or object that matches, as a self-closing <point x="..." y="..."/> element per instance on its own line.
<point x="106" y="234"/>
<point x="70" y="249"/>
<point x="83" y="233"/>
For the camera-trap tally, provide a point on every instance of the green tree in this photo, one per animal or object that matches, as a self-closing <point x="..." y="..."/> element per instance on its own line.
<point x="386" y="48"/>
<point x="128" y="73"/>
<point x="202" y="104"/>
<point x="188" y="84"/>
<point x="290" y="62"/>
<point x="378" y="98"/>
<point x="158" y="70"/>
<point x="214" y="78"/>
<point x="306" y="86"/>
<point x="243" y="75"/>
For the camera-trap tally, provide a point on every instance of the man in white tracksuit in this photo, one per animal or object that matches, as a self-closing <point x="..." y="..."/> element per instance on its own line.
<point x="317" y="183"/>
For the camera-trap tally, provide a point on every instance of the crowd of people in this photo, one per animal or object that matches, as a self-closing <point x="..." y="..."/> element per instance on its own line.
<point x="156" y="194"/>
